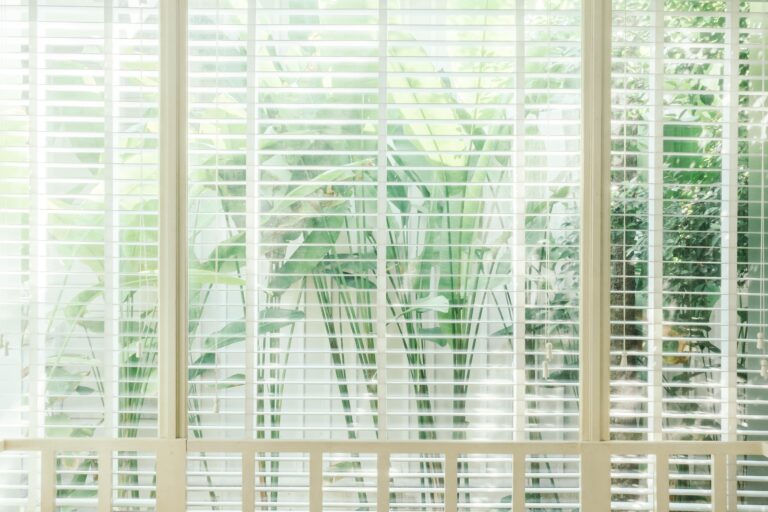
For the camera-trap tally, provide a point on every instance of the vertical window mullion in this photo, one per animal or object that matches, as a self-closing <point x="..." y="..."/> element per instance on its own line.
<point x="172" y="236"/>
<point x="594" y="299"/>
<point x="180" y="236"/>
<point x="595" y="221"/>
<point x="172" y="264"/>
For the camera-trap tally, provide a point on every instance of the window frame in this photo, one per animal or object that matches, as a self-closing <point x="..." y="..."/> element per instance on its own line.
<point x="594" y="446"/>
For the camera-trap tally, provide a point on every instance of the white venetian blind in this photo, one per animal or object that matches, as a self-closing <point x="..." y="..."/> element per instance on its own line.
<point x="283" y="151"/>
<point x="383" y="237"/>
<point x="688" y="218"/>
<point x="482" y="164"/>
<point x="383" y="219"/>
<point x="78" y="200"/>
<point x="688" y="225"/>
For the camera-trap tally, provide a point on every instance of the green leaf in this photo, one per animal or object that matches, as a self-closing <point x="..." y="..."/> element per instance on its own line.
<point x="199" y="276"/>
<point x="94" y="326"/>
<point x="84" y="390"/>
<point x="227" y="254"/>
<point x="204" y="360"/>
<point x="79" y="303"/>
<point x="61" y="382"/>
<point x="505" y="331"/>
<point x="309" y="255"/>
<point x="144" y="279"/>
<point x="356" y="281"/>
<point x="234" y="380"/>
<point x="506" y="500"/>
<point x="298" y="194"/>
<point x="564" y="375"/>
<point x="357" y="263"/>
<point x="434" y="335"/>
<point x="438" y="303"/>
<point x="228" y="335"/>
<point x="273" y="319"/>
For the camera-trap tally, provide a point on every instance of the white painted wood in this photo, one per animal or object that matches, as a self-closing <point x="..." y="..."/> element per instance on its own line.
<point x="451" y="482"/>
<point x="428" y="446"/>
<point x="172" y="268"/>
<point x="315" y="480"/>
<point x="720" y="483"/>
<point x="180" y="375"/>
<point x="171" y="475"/>
<point x="83" y="444"/>
<point x="518" y="482"/>
<point x="356" y="446"/>
<point x="594" y="316"/>
<point x="661" y="494"/>
<point x="104" y="492"/>
<point x="249" y="481"/>
<point x="382" y="482"/>
<point x="595" y="210"/>
<point x="595" y="465"/>
<point x="48" y="480"/>
<point x="596" y="477"/>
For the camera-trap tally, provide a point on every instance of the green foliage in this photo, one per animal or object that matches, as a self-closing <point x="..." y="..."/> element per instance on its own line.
<point x="692" y="173"/>
<point x="443" y="267"/>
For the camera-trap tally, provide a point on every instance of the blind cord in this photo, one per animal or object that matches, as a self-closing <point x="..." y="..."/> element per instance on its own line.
<point x="760" y="334"/>
<point x="548" y="345"/>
